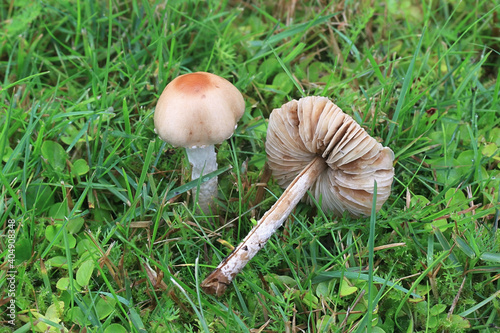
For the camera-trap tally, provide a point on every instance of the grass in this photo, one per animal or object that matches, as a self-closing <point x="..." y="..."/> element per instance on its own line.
<point x="105" y="234"/>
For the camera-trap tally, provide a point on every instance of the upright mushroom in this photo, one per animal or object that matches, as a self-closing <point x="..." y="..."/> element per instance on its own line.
<point x="312" y="144"/>
<point x="196" y="111"/>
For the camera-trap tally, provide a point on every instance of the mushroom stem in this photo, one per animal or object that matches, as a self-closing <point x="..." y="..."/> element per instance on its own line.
<point x="203" y="161"/>
<point x="221" y="277"/>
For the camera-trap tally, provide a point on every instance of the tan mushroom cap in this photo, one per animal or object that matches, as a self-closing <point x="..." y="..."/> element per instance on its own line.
<point x="314" y="126"/>
<point x="198" y="109"/>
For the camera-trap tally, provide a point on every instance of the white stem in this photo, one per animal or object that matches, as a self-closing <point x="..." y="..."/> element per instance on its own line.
<point x="221" y="277"/>
<point x="203" y="161"/>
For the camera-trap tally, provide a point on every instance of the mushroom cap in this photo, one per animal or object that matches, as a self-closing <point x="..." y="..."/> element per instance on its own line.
<point x="314" y="126"/>
<point x="198" y="109"/>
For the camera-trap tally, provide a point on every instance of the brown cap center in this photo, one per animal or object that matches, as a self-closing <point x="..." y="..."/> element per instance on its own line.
<point x="193" y="84"/>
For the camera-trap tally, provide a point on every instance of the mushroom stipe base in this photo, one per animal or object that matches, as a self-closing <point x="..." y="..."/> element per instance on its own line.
<point x="218" y="281"/>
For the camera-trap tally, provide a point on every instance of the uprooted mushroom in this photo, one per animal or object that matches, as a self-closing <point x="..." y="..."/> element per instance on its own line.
<point x="312" y="145"/>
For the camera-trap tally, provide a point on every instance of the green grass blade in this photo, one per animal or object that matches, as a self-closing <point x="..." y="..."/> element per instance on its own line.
<point x="404" y="90"/>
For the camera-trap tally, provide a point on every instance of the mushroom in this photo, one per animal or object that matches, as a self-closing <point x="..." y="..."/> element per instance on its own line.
<point x="196" y="111"/>
<point x="312" y="144"/>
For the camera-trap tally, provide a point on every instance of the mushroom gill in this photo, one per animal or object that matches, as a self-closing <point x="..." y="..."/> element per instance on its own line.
<point x="314" y="126"/>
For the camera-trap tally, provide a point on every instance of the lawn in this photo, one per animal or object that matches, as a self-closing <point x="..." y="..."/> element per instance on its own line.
<point x="99" y="232"/>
